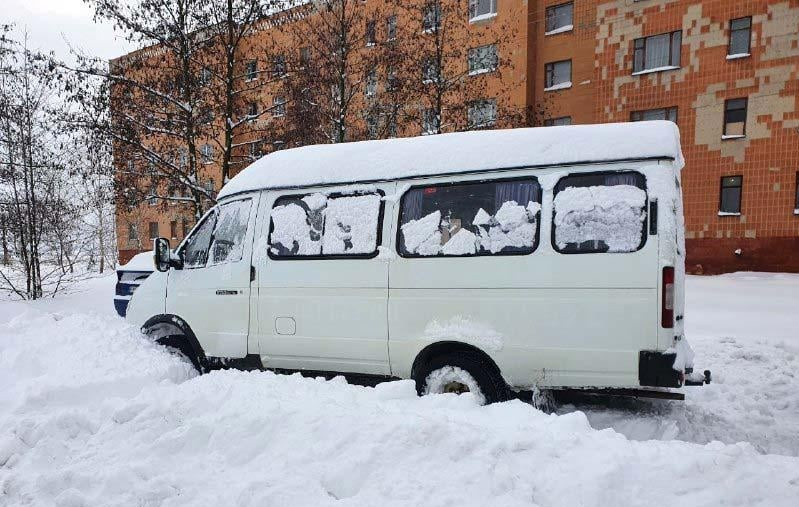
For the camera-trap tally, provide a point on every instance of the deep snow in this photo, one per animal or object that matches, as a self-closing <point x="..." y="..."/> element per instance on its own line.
<point x="92" y="414"/>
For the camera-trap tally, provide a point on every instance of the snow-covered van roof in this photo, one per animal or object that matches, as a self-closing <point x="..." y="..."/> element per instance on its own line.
<point x="460" y="152"/>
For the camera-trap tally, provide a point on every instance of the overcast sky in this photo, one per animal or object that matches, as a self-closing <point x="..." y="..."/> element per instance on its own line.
<point x="53" y="24"/>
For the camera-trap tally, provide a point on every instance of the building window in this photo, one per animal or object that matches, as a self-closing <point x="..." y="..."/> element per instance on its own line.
<point x="482" y="9"/>
<point x="371" y="126"/>
<point x="431" y="18"/>
<point x="252" y="70"/>
<point x="483" y="59"/>
<point x="429" y="121"/>
<point x="305" y="56"/>
<point x="558" y="75"/>
<point x="370" y="87"/>
<point x="430" y="70"/>
<point x="133" y="232"/>
<point x="152" y="197"/>
<point x="796" y="201"/>
<point x="279" y="107"/>
<point x="185" y="227"/>
<point x="657" y="52"/>
<point x="173" y="229"/>
<point x="207" y="153"/>
<point x="371" y="33"/>
<point x="391" y="28"/>
<point x="557" y="122"/>
<point x="279" y="66"/>
<point x="391" y="79"/>
<point x="730" y="199"/>
<point x="205" y="76"/>
<point x="663" y="113"/>
<point x="391" y="125"/>
<point x="560" y="18"/>
<point x="153" y="230"/>
<point x="740" y="37"/>
<point x="255" y="150"/>
<point x="734" y="118"/>
<point x="482" y="113"/>
<point x="252" y="111"/>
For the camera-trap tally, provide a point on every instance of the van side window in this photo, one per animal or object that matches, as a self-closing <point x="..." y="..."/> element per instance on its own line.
<point x="319" y="225"/>
<point x="471" y="218"/>
<point x="227" y="244"/>
<point x="195" y="250"/>
<point x="600" y="212"/>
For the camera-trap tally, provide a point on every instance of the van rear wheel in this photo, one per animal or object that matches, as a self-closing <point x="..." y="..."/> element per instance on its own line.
<point x="461" y="372"/>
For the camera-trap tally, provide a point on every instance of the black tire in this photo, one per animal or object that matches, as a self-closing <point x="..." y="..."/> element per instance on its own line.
<point x="180" y="345"/>
<point x="484" y="372"/>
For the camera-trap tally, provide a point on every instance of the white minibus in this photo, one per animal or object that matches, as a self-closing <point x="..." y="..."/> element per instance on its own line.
<point x="489" y="262"/>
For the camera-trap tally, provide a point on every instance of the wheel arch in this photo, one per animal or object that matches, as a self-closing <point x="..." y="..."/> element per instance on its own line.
<point x="444" y="347"/>
<point x="163" y="325"/>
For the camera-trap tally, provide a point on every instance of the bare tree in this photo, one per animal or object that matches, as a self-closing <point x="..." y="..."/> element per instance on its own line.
<point x="32" y="183"/>
<point x="447" y="64"/>
<point x="335" y="59"/>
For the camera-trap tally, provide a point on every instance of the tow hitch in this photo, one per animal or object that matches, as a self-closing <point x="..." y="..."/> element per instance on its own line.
<point x="696" y="379"/>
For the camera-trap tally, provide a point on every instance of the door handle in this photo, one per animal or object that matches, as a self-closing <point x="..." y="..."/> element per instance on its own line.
<point x="226" y="292"/>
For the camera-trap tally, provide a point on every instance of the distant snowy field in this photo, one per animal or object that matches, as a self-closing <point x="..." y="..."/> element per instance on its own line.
<point x="92" y="414"/>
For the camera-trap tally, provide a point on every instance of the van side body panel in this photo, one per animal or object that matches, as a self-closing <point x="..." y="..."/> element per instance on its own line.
<point x="547" y="318"/>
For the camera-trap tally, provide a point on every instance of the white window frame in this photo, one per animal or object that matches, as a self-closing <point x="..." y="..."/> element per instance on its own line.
<point x="475" y="16"/>
<point x="278" y="106"/>
<point x="479" y="107"/>
<point x="487" y="64"/>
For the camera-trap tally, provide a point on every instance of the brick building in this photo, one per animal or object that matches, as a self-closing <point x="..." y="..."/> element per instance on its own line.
<point x="727" y="71"/>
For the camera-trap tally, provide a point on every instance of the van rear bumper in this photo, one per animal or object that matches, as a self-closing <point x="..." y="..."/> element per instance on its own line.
<point x="655" y="369"/>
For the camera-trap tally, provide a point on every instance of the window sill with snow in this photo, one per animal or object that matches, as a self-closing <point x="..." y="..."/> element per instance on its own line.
<point x="737" y="56"/>
<point x="655" y="69"/>
<point x="483" y="17"/>
<point x="732" y="136"/>
<point x="561" y="29"/>
<point x="559" y="86"/>
<point x="729" y="214"/>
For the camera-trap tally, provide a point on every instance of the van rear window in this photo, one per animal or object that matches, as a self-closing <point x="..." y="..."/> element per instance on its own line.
<point x="473" y="218"/>
<point x="600" y="212"/>
<point x="320" y="225"/>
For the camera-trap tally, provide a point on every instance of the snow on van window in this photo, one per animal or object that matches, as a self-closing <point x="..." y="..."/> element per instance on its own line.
<point x="318" y="224"/>
<point x="231" y="227"/>
<point x="613" y="215"/>
<point x="423" y="236"/>
<point x="351" y="225"/>
<point x="292" y="233"/>
<point x="471" y="218"/>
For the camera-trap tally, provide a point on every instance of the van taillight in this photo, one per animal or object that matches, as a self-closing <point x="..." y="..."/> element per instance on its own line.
<point x="667" y="299"/>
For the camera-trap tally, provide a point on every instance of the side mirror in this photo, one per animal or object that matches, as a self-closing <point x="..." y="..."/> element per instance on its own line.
<point x="161" y="254"/>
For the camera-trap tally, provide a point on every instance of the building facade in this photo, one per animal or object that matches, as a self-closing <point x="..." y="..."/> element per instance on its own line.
<point x="727" y="72"/>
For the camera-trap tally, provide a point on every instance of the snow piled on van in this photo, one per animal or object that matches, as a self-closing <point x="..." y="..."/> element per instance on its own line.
<point x="92" y="413"/>
<point x="611" y="214"/>
<point x="458" y="152"/>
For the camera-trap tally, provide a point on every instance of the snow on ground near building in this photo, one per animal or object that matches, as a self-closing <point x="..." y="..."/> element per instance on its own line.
<point x="92" y="414"/>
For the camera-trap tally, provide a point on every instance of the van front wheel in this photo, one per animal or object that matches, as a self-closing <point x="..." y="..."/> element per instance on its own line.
<point x="462" y="372"/>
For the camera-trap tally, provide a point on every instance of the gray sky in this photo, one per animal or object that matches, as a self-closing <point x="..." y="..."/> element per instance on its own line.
<point x="52" y="24"/>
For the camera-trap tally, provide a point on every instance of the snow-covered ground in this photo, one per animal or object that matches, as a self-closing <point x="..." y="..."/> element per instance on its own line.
<point x="92" y="414"/>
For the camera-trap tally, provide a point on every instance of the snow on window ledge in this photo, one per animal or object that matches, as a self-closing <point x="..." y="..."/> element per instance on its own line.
<point x="729" y="214"/>
<point x="738" y="55"/>
<point x="733" y="136"/>
<point x="656" y="69"/>
<point x="796" y="211"/>
<point x="483" y="17"/>
<point x="477" y="72"/>
<point x="562" y="29"/>
<point x="559" y="86"/>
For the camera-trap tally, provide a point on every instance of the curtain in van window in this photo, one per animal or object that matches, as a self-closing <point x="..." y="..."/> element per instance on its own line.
<point x="412" y="205"/>
<point x="622" y="179"/>
<point x="522" y="192"/>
